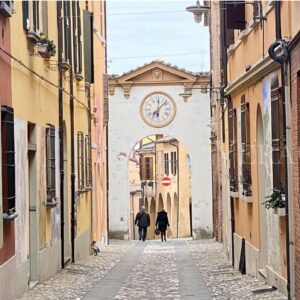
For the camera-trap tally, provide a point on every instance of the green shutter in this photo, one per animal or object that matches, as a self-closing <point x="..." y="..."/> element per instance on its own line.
<point x="25" y="11"/>
<point x="88" y="46"/>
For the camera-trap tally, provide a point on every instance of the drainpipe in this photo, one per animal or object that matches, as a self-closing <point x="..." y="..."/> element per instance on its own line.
<point x="106" y="132"/>
<point x="61" y="134"/>
<point x="177" y="149"/>
<point x="73" y="200"/>
<point x="223" y="96"/>
<point x="282" y="59"/>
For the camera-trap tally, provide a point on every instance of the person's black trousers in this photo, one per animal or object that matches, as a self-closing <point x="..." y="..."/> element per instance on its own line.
<point x="142" y="233"/>
<point x="163" y="235"/>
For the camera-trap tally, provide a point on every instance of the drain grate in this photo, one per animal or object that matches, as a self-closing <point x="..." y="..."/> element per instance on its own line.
<point x="264" y="290"/>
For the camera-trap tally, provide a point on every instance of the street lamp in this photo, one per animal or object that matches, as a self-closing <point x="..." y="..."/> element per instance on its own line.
<point x="198" y="10"/>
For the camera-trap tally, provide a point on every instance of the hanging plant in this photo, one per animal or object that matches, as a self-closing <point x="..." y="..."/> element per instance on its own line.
<point x="275" y="200"/>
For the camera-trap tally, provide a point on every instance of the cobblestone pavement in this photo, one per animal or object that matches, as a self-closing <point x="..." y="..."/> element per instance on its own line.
<point x="152" y="275"/>
<point x="77" y="279"/>
<point x="223" y="281"/>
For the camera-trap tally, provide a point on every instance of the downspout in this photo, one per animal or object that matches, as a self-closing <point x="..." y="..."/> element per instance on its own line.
<point x="106" y="133"/>
<point x="177" y="149"/>
<point x="61" y="134"/>
<point x="282" y="59"/>
<point x="223" y="96"/>
<point x="73" y="200"/>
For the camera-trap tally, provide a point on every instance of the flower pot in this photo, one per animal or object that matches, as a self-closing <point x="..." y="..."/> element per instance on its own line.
<point x="42" y="50"/>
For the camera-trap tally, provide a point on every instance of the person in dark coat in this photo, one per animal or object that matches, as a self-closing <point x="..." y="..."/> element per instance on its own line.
<point x="162" y="222"/>
<point x="142" y="220"/>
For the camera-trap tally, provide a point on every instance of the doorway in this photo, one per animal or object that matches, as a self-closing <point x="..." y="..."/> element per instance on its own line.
<point x="33" y="226"/>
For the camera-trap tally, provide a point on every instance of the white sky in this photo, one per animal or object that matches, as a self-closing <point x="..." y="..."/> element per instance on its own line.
<point x="141" y="31"/>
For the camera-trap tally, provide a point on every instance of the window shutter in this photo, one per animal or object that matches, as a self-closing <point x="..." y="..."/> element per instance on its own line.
<point x="75" y="33"/>
<point x="25" y="11"/>
<point x="235" y="15"/>
<point x="229" y="37"/>
<point x="45" y="17"/>
<point x="142" y="168"/>
<point x="79" y="38"/>
<point x="8" y="160"/>
<point x="105" y="98"/>
<point x="275" y="119"/>
<point x="66" y="31"/>
<point x="88" y="46"/>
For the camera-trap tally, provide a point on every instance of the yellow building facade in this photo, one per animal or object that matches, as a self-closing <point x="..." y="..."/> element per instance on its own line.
<point x="58" y="98"/>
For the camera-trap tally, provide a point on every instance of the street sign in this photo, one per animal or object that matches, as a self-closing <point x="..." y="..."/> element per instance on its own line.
<point x="166" y="181"/>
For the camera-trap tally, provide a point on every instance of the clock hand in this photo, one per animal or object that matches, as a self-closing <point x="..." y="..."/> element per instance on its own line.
<point x="164" y="103"/>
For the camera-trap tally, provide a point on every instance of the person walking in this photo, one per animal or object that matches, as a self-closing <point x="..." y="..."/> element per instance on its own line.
<point x="162" y="222"/>
<point x="142" y="220"/>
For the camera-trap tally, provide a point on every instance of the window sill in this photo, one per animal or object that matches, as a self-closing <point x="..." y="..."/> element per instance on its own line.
<point x="247" y="199"/>
<point x="84" y="190"/>
<point x="66" y="65"/>
<point x="279" y="211"/>
<point x="234" y="194"/>
<point x="32" y="36"/>
<point x="79" y="77"/>
<point x="51" y="203"/>
<point x="8" y="218"/>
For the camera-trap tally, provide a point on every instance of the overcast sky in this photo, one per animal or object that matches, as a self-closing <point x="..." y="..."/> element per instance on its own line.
<point x="141" y="31"/>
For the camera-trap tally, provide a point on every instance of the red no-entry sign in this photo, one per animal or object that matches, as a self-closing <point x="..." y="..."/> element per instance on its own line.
<point x="166" y="181"/>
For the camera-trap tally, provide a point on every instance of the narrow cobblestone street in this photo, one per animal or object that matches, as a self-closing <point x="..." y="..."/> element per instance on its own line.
<point x="177" y="269"/>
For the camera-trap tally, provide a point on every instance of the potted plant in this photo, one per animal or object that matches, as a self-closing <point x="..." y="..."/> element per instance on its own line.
<point x="276" y="201"/>
<point x="45" y="47"/>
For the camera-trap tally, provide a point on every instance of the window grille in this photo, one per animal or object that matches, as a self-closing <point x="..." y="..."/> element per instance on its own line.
<point x="50" y="162"/>
<point x="80" y="160"/>
<point x="8" y="160"/>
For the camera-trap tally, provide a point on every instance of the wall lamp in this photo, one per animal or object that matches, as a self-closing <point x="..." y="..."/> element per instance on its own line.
<point x="198" y="10"/>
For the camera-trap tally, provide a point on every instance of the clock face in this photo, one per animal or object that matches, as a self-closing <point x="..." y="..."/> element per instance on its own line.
<point x="158" y="109"/>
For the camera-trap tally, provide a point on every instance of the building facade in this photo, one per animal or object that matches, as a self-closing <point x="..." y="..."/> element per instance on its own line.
<point x="255" y="152"/>
<point x="57" y="145"/>
<point x="184" y="117"/>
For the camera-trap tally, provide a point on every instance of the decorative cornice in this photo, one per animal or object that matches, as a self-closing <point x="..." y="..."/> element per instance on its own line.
<point x="262" y="68"/>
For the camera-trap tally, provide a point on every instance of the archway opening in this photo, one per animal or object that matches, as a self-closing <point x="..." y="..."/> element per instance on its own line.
<point x="159" y="172"/>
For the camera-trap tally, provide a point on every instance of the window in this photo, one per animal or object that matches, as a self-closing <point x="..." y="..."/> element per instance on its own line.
<point x="67" y="46"/>
<point x="246" y="155"/>
<point x="235" y="15"/>
<point x="8" y="162"/>
<point x="50" y="163"/>
<point x="173" y="163"/>
<point x="256" y="10"/>
<point x="25" y="12"/>
<point x="232" y="147"/>
<point x="35" y="15"/>
<point x="166" y="159"/>
<point x="277" y="136"/>
<point x="80" y="160"/>
<point x="149" y="168"/>
<point x="88" y="162"/>
<point x="75" y="34"/>
<point x="79" y="39"/>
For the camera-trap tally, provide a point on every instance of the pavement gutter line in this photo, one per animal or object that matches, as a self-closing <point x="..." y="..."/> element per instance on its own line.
<point x="108" y="286"/>
<point x="192" y="285"/>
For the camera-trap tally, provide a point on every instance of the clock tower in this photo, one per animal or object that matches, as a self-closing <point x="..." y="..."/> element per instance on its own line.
<point x="159" y="99"/>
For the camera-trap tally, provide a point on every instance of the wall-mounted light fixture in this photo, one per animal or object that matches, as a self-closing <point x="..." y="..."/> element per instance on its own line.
<point x="198" y="10"/>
